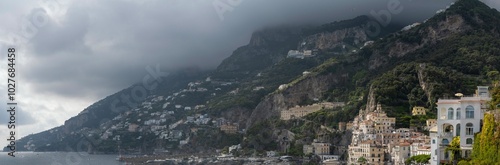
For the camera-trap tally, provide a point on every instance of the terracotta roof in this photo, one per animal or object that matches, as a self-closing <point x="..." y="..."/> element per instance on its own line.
<point x="368" y="142"/>
<point x="404" y="144"/>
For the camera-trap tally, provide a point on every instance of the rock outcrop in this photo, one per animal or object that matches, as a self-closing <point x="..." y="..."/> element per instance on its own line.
<point x="307" y="89"/>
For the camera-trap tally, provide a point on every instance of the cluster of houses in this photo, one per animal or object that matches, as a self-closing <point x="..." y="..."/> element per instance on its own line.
<point x="376" y="141"/>
<point x="157" y="115"/>
<point x="198" y="119"/>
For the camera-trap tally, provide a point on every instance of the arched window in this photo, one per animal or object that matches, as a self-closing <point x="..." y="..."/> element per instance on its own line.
<point x="448" y="128"/>
<point x="450" y="113"/>
<point x="469" y="112"/>
<point x="445" y="142"/>
<point x="468" y="141"/>
<point x="457" y="130"/>
<point x="469" y="129"/>
<point x="458" y="114"/>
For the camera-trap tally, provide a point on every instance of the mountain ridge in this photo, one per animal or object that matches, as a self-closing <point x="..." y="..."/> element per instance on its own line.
<point x="360" y="75"/>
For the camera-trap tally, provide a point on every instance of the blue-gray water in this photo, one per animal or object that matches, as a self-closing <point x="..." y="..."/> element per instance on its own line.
<point x="57" y="158"/>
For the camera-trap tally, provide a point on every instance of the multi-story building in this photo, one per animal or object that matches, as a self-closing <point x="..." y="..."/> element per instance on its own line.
<point x="420" y="149"/>
<point x="429" y="123"/>
<point x="321" y="148"/>
<point x="400" y="152"/>
<point x="418" y="111"/>
<point x="229" y="128"/>
<point x="458" y="117"/>
<point x="373" y="152"/>
<point x="387" y="138"/>
<point x="317" y="148"/>
<point x="423" y="150"/>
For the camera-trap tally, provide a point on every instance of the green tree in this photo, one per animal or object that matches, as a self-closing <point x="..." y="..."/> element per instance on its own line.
<point x="454" y="149"/>
<point x="494" y="77"/>
<point x="225" y="150"/>
<point x="362" y="160"/>
<point x="495" y="98"/>
<point x="418" y="160"/>
<point x="485" y="149"/>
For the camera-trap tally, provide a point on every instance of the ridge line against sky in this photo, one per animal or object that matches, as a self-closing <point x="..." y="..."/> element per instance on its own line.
<point x="88" y="50"/>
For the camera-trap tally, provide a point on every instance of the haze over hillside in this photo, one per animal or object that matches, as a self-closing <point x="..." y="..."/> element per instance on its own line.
<point x="97" y="48"/>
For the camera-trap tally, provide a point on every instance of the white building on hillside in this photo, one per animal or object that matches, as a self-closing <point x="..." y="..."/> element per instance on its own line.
<point x="458" y="117"/>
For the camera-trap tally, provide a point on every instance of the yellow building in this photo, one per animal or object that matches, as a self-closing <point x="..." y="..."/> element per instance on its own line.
<point x="418" y="111"/>
<point x="429" y="123"/>
<point x="229" y="129"/>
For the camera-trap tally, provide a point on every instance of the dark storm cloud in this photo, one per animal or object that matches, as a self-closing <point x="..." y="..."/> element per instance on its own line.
<point x="66" y="36"/>
<point x="99" y="47"/>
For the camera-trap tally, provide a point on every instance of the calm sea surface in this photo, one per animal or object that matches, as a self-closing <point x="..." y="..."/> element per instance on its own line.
<point x="57" y="158"/>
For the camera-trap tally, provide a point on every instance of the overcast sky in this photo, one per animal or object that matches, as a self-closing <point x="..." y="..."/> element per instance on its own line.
<point x="77" y="52"/>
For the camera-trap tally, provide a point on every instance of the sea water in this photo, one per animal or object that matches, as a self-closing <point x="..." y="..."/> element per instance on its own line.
<point x="57" y="158"/>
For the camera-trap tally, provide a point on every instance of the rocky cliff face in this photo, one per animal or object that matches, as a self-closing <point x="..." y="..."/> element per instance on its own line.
<point x="394" y="48"/>
<point x="307" y="89"/>
<point x="424" y="34"/>
<point x="371" y="104"/>
<point x="354" y="36"/>
<point x="266" y="48"/>
<point x="352" y="78"/>
<point x="75" y="123"/>
<point x="426" y="87"/>
<point x="272" y="36"/>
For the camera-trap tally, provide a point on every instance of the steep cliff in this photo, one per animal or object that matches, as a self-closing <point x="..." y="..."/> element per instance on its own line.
<point x="337" y="35"/>
<point x="335" y="40"/>
<point x="266" y="47"/>
<point x="409" y="68"/>
<point x="307" y="89"/>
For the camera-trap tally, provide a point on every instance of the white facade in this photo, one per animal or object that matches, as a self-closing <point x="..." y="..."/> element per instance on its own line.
<point x="400" y="153"/>
<point x="458" y="117"/>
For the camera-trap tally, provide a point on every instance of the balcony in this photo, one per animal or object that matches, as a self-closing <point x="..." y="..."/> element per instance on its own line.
<point x="446" y="135"/>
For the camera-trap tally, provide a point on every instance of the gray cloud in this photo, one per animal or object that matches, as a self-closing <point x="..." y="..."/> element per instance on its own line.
<point x="21" y="116"/>
<point x="68" y="36"/>
<point x="104" y="45"/>
<point x="99" y="47"/>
